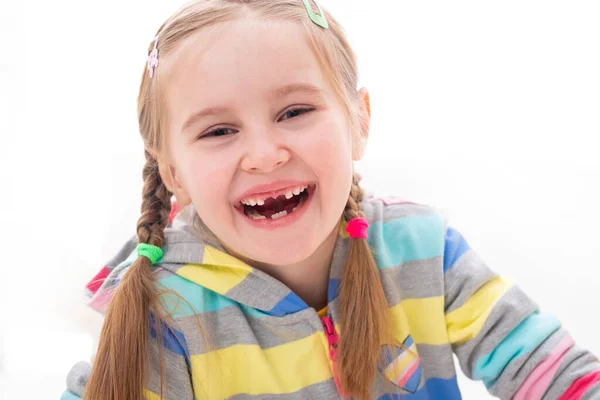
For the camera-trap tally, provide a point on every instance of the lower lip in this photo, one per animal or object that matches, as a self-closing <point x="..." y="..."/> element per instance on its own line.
<point x="283" y="221"/>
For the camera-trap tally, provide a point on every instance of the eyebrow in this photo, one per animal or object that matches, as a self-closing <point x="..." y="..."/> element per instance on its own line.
<point x="279" y="92"/>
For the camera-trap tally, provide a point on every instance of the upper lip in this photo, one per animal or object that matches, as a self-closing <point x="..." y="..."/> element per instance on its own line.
<point x="272" y="189"/>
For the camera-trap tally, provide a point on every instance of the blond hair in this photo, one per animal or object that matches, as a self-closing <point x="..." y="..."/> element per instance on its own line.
<point x="364" y="320"/>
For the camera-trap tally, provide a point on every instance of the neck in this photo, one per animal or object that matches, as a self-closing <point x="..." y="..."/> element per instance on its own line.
<point x="309" y="278"/>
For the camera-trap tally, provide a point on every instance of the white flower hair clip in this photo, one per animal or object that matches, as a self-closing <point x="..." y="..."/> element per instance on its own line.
<point x="153" y="58"/>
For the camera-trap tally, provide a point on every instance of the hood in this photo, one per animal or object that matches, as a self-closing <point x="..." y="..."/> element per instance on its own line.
<point x="191" y="252"/>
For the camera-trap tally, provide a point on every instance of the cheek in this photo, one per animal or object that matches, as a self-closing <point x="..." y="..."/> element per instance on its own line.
<point x="206" y="179"/>
<point x="329" y="149"/>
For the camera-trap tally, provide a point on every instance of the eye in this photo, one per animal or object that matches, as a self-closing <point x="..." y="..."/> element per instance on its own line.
<point x="295" y="112"/>
<point x="217" y="133"/>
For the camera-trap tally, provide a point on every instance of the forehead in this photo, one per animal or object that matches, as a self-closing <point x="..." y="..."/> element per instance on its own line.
<point x="238" y="61"/>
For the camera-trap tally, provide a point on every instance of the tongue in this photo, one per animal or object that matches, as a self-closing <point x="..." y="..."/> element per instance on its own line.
<point x="274" y="206"/>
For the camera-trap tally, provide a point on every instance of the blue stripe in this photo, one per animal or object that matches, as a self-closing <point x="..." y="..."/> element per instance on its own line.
<point x="333" y="290"/>
<point x="172" y="338"/>
<point x="456" y="246"/>
<point x="413" y="382"/>
<point x="434" y="389"/>
<point x="407" y="239"/>
<point x="288" y="305"/>
<point x="390" y="353"/>
<point x="527" y="336"/>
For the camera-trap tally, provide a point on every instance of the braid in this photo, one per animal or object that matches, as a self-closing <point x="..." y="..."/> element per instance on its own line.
<point x="125" y="334"/>
<point x="364" y="320"/>
<point x="354" y="205"/>
<point x="156" y="205"/>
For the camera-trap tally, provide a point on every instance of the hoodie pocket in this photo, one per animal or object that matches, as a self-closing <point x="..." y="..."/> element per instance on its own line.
<point x="402" y="365"/>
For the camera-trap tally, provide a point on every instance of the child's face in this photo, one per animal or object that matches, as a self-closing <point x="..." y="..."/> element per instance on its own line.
<point x="256" y="131"/>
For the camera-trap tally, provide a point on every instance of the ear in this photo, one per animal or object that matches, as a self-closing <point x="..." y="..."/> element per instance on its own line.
<point x="361" y="133"/>
<point x="168" y="174"/>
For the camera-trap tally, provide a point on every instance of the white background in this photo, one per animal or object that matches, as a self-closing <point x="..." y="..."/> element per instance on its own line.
<point x="488" y="110"/>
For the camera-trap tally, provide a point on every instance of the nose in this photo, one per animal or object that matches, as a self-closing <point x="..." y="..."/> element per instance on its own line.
<point x="264" y="152"/>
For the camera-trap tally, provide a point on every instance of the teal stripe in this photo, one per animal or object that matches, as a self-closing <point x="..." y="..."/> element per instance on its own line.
<point x="407" y="239"/>
<point x="523" y="339"/>
<point x="200" y="298"/>
<point x="129" y="260"/>
<point x="69" y="396"/>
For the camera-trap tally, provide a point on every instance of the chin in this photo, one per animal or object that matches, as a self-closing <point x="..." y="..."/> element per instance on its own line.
<point x="282" y="255"/>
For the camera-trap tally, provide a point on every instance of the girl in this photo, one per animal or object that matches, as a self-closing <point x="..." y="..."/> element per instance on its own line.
<point x="278" y="278"/>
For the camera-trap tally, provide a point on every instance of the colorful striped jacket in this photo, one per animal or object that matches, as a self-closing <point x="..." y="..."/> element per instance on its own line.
<point x="261" y="341"/>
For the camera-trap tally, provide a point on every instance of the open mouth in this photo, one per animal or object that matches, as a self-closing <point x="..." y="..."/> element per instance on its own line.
<point x="266" y="207"/>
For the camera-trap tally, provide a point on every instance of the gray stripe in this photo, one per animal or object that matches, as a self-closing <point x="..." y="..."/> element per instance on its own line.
<point x="123" y="253"/>
<point x="182" y="247"/>
<point x="340" y="254"/>
<point x="466" y="277"/>
<point x="413" y="280"/>
<point x="376" y="211"/>
<point x="593" y="393"/>
<point x="577" y="363"/>
<point x="513" y="376"/>
<point x="382" y="386"/>
<point x="230" y="326"/>
<point x="177" y="384"/>
<point x="437" y="361"/>
<point x="321" y="390"/>
<point x="78" y="377"/>
<point x="507" y="314"/>
<point x="258" y="290"/>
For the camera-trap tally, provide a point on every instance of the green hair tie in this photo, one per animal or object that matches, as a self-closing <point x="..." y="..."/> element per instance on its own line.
<point x="153" y="253"/>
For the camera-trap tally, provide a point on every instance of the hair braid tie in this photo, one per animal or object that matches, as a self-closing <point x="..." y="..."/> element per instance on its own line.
<point x="152" y="253"/>
<point x="358" y="228"/>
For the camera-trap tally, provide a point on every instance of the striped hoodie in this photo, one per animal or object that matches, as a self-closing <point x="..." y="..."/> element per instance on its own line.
<point x="261" y="341"/>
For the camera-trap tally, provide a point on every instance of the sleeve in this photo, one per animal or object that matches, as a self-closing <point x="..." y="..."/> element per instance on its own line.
<point x="178" y="382"/>
<point x="501" y="337"/>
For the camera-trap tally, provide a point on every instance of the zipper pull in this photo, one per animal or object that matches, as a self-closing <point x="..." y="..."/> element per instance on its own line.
<point x="333" y="340"/>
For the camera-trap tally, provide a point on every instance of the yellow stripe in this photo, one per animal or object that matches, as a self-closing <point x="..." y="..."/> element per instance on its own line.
<point x="214" y="256"/>
<point x="219" y="272"/>
<point x="402" y="374"/>
<point x="465" y="322"/>
<point x="342" y="231"/>
<point x="400" y="328"/>
<point x="251" y="370"/>
<point x="150" y="395"/>
<point x="422" y="318"/>
<point x="399" y="363"/>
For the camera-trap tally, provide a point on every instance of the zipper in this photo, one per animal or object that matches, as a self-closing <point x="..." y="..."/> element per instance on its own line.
<point x="333" y="340"/>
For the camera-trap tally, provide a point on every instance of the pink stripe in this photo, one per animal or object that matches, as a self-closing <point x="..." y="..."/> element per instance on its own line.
<point x="409" y="373"/>
<point x="540" y="378"/>
<point x="400" y="374"/>
<point x="100" y="300"/>
<point x="95" y="283"/>
<point x="580" y="386"/>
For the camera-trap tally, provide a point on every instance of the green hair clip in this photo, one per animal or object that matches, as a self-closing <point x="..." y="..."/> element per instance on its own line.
<point x="318" y="19"/>
<point x="153" y="253"/>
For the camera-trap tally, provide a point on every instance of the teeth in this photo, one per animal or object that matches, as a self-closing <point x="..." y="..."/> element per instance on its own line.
<point x="279" y="215"/>
<point x="260" y="202"/>
<point x="255" y="215"/>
